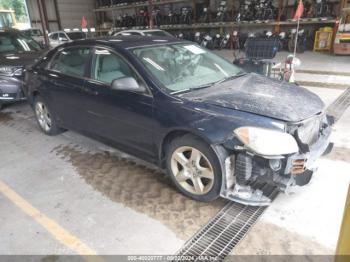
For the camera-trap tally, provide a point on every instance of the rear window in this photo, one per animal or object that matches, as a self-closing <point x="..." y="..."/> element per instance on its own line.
<point x="71" y="61"/>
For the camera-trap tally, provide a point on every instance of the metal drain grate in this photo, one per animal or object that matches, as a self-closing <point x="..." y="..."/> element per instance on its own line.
<point x="224" y="231"/>
<point x="339" y="106"/>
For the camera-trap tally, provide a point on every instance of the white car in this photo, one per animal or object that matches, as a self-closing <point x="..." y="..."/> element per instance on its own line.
<point x="148" y="32"/>
<point x="60" y="37"/>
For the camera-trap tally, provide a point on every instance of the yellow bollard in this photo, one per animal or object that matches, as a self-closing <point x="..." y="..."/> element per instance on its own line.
<point x="343" y="247"/>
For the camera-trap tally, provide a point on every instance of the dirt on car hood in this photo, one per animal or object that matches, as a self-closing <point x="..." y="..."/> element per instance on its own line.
<point x="263" y="96"/>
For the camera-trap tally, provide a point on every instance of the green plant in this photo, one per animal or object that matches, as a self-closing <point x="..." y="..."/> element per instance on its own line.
<point x="18" y="6"/>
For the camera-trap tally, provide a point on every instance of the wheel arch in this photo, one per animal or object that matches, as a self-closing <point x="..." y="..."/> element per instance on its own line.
<point x="174" y="133"/>
<point x="32" y="96"/>
<point x="218" y="149"/>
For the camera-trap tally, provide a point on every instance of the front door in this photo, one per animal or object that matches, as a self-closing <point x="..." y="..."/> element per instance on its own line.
<point x="122" y="116"/>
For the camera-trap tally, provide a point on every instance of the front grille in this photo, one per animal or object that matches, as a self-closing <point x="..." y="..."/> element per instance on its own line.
<point x="298" y="166"/>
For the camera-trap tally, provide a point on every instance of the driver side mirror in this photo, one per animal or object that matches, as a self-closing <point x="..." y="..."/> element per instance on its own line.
<point x="127" y="84"/>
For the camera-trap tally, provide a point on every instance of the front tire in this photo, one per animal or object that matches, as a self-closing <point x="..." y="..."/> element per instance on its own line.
<point x="194" y="168"/>
<point x="44" y="117"/>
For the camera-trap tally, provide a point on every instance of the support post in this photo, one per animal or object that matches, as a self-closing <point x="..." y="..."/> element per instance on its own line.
<point x="44" y="22"/>
<point x="194" y="11"/>
<point x="342" y="4"/>
<point x="45" y="14"/>
<point x="343" y="247"/>
<point x="58" y="18"/>
<point x="280" y="12"/>
<point x="150" y="9"/>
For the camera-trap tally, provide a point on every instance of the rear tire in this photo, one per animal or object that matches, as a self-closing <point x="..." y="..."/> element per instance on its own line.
<point x="194" y="168"/>
<point x="45" y="118"/>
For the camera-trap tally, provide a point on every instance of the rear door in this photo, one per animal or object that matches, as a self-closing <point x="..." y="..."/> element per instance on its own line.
<point x="65" y="80"/>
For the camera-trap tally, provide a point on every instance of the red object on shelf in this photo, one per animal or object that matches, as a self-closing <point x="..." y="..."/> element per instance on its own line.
<point x="83" y="22"/>
<point x="300" y="10"/>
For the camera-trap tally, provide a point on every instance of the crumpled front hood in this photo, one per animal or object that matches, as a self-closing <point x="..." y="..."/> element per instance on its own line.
<point x="263" y="96"/>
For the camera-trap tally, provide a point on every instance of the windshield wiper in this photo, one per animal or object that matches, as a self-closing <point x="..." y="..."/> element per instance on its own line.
<point x="240" y="73"/>
<point x="193" y="88"/>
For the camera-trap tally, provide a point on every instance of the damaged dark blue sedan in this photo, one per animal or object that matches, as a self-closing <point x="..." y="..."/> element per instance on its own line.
<point x="16" y="52"/>
<point x="215" y="129"/>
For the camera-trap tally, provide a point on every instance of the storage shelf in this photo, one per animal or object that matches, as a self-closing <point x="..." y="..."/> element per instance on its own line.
<point x="303" y="21"/>
<point x="128" y="6"/>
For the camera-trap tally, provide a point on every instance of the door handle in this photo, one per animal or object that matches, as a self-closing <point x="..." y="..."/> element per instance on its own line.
<point x="90" y="91"/>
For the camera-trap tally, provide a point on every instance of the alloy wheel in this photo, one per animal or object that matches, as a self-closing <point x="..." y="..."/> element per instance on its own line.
<point x="43" y="116"/>
<point x="192" y="170"/>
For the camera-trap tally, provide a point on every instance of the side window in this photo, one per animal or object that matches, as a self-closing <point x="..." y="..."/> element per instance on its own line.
<point x="108" y="67"/>
<point x="6" y="43"/>
<point x="129" y="33"/>
<point x="71" y="61"/>
<point x="54" y="36"/>
<point x="62" y="36"/>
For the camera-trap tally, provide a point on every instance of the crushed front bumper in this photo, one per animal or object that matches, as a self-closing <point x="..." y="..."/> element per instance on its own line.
<point x="282" y="171"/>
<point x="301" y="166"/>
<point x="11" y="90"/>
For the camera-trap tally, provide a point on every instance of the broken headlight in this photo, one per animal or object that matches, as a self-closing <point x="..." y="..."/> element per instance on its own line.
<point x="266" y="142"/>
<point x="309" y="131"/>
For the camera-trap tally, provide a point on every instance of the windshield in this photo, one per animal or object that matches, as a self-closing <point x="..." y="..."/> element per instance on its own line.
<point x="157" y="33"/>
<point x="36" y="32"/>
<point x="17" y="43"/>
<point x="181" y="67"/>
<point x="76" y="35"/>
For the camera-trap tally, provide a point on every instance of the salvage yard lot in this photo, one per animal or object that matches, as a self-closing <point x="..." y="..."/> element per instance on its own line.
<point x="116" y="204"/>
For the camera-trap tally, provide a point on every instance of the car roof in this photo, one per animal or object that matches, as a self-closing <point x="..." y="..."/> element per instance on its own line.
<point x="66" y="32"/>
<point x="56" y="32"/>
<point x="127" y="42"/>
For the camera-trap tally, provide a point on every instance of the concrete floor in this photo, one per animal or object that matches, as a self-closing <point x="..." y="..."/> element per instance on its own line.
<point x="115" y="204"/>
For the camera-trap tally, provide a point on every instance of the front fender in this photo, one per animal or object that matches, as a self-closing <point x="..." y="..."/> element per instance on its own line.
<point x="217" y="126"/>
